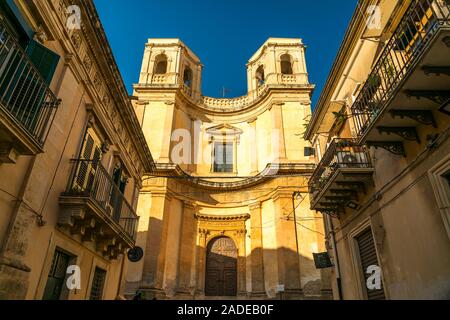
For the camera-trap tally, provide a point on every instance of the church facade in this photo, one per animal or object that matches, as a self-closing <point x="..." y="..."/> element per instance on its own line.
<point x="226" y="212"/>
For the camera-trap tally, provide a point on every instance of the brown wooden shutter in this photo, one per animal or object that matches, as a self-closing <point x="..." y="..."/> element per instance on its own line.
<point x="368" y="257"/>
<point x="90" y="157"/>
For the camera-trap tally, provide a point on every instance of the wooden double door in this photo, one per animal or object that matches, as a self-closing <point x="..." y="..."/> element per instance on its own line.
<point x="221" y="268"/>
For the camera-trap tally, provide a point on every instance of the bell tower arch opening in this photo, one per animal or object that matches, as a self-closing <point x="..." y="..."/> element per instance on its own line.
<point x="286" y="64"/>
<point x="160" y="64"/>
<point x="278" y="62"/>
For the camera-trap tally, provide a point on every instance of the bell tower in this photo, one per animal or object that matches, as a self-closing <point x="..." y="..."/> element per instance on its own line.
<point x="170" y="63"/>
<point x="278" y="62"/>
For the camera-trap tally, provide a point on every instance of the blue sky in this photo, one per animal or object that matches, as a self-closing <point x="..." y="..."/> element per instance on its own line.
<point x="225" y="34"/>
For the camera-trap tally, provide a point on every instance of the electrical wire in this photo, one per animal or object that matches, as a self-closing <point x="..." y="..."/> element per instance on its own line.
<point x="39" y="216"/>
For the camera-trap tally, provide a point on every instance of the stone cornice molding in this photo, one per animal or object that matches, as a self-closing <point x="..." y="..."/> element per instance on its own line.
<point x="239" y="217"/>
<point x="93" y="65"/>
<point x="163" y="194"/>
<point x="271" y="171"/>
<point x="225" y="107"/>
<point x="255" y="206"/>
<point x="282" y="194"/>
<point x="189" y="205"/>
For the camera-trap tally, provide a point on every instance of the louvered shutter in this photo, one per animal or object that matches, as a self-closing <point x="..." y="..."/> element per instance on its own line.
<point x="89" y="161"/>
<point x="43" y="59"/>
<point x="368" y="256"/>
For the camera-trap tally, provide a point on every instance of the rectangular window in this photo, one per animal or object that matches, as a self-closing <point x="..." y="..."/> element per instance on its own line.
<point x="98" y="282"/>
<point x="368" y="257"/>
<point x="88" y="162"/>
<point x="223" y="157"/>
<point x="309" y="152"/>
<point x="56" y="286"/>
<point x="440" y="181"/>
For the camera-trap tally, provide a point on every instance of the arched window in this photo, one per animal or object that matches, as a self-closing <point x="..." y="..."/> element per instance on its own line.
<point x="286" y="64"/>
<point x="160" y="64"/>
<point x="260" y="75"/>
<point x="187" y="77"/>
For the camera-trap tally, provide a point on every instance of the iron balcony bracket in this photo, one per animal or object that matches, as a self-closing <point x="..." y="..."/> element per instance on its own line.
<point x="353" y="185"/>
<point x="407" y="133"/>
<point x="436" y="70"/>
<point x="421" y="116"/>
<point x="394" y="147"/>
<point x="437" y="96"/>
<point x="345" y="192"/>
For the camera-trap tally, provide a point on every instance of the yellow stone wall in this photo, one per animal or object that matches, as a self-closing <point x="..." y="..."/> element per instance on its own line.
<point x="179" y="216"/>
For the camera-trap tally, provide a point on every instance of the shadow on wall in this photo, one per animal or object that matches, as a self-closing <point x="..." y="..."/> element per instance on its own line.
<point x="220" y="268"/>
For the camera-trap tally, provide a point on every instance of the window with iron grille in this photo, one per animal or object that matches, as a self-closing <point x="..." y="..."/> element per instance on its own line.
<point x="98" y="283"/>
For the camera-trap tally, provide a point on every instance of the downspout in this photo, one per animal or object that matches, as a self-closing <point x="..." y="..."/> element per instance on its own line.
<point x="295" y="221"/>
<point x="121" y="280"/>
<point x="296" y="234"/>
<point x="335" y="255"/>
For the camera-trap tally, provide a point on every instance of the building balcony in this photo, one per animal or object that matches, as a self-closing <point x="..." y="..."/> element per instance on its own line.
<point x="414" y="64"/>
<point x="95" y="209"/>
<point x="27" y="105"/>
<point x="343" y="173"/>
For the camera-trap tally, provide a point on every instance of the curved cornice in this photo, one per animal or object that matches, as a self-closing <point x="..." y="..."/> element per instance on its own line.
<point x="238" y="217"/>
<point x="226" y="106"/>
<point x="271" y="171"/>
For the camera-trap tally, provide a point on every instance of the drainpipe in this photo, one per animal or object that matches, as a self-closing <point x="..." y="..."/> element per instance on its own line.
<point x="121" y="280"/>
<point x="335" y="254"/>
<point x="295" y="220"/>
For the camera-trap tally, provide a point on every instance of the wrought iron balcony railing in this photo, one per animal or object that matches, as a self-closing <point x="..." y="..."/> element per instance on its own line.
<point x="411" y="38"/>
<point x="91" y="180"/>
<point x="341" y="154"/>
<point x="24" y="94"/>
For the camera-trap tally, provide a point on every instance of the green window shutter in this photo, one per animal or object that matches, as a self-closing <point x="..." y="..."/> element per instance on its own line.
<point x="43" y="59"/>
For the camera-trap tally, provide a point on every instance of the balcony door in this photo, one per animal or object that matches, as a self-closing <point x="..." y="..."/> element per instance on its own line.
<point x="90" y="157"/>
<point x="118" y="189"/>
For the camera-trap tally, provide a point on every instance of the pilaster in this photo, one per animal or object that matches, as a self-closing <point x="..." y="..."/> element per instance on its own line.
<point x="256" y="254"/>
<point x="288" y="258"/>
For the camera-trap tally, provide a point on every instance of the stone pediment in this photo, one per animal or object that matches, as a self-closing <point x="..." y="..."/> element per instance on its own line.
<point x="224" y="130"/>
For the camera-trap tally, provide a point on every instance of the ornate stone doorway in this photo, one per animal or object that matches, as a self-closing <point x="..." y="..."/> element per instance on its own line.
<point x="221" y="267"/>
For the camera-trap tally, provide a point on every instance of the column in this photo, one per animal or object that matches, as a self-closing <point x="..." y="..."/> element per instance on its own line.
<point x="241" y="259"/>
<point x="14" y="273"/>
<point x="156" y="239"/>
<point x="278" y="143"/>
<point x="164" y="156"/>
<point x="187" y="247"/>
<point x="253" y="147"/>
<point x="288" y="259"/>
<point x="256" y="255"/>
<point x="201" y="262"/>
<point x="172" y="259"/>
